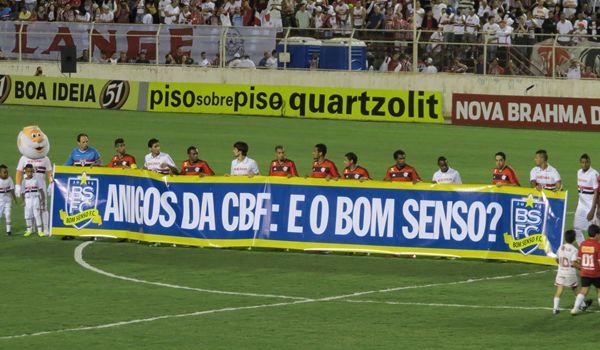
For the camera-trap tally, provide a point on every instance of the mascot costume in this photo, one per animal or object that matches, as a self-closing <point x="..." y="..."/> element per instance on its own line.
<point x="34" y="147"/>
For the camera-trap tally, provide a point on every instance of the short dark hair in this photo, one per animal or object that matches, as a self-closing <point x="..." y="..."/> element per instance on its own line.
<point x="152" y="142"/>
<point x="501" y="154"/>
<point x="442" y="159"/>
<point x="191" y="148"/>
<point x="278" y="147"/>
<point x="79" y="136"/>
<point x="593" y="230"/>
<point x="321" y="148"/>
<point x="3" y="166"/>
<point x="242" y="147"/>
<point x="399" y="153"/>
<point x="543" y="153"/>
<point x="119" y="141"/>
<point x="29" y="166"/>
<point x="570" y="236"/>
<point x="584" y="156"/>
<point x="352" y="156"/>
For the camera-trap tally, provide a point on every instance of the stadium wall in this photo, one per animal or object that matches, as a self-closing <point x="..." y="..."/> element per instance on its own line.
<point x="447" y="84"/>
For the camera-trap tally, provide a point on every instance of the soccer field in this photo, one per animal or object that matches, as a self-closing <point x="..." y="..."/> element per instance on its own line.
<point x="76" y="294"/>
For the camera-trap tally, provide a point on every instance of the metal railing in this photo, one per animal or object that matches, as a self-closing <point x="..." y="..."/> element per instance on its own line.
<point x="520" y="54"/>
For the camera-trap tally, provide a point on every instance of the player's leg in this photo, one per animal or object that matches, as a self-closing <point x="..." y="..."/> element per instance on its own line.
<point x="28" y="219"/>
<point x="8" y="218"/>
<point x="45" y="216"/>
<point x="556" y="306"/>
<point x="580" y="224"/>
<point x="37" y="213"/>
<point x="585" y="286"/>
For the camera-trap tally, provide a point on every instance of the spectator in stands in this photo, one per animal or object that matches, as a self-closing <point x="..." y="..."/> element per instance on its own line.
<point x="272" y="61"/>
<point x="171" y="11"/>
<point x="375" y="21"/>
<point x="82" y="15"/>
<point x="263" y="61"/>
<point x="235" y="62"/>
<point x="140" y="11"/>
<point x="38" y="72"/>
<point x="246" y="62"/>
<point x="303" y="20"/>
<point x="85" y="57"/>
<point x="106" y="16"/>
<point x="5" y="11"/>
<point x="574" y="69"/>
<point x="565" y="28"/>
<point x="587" y="73"/>
<point x="142" y="58"/>
<point x="121" y="13"/>
<point x="25" y="14"/>
<point x="203" y="60"/>
<point x="429" y="67"/>
<point x="122" y="58"/>
<point x="169" y="59"/>
<point x="495" y="68"/>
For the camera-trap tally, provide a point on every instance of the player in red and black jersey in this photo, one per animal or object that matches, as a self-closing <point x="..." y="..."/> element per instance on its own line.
<point x="503" y="175"/>
<point x="281" y="166"/>
<point x="122" y="159"/>
<point x="401" y="171"/>
<point x="352" y="171"/>
<point x="195" y="166"/>
<point x="589" y="267"/>
<point x="321" y="167"/>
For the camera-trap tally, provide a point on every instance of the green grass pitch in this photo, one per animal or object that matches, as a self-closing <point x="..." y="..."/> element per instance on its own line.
<point x="280" y="300"/>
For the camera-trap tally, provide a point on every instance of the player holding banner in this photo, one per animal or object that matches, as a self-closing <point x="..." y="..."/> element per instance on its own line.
<point x="587" y="186"/>
<point x="544" y="176"/>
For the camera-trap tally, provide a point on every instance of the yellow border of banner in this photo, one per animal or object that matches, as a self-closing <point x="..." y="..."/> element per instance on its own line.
<point x="259" y="243"/>
<point x="422" y="186"/>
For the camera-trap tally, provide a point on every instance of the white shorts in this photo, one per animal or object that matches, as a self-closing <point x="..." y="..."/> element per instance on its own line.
<point x="5" y="207"/>
<point x="580" y="222"/>
<point x="32" y="208"/>
<point x="565" y="280"/>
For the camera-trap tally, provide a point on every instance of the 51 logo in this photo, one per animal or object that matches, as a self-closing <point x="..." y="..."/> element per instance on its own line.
<point x="114" y="94"/>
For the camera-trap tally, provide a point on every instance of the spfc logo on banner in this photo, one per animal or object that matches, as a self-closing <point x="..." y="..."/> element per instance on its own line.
<point x="527" y="223"/>
<point x="81" y="202"/>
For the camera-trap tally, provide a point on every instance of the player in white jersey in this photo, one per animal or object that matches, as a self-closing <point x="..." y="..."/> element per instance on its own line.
<point x="446" y="175"/>
<point x="158" y="161"/>
<point x="33" y="196"/>
<point x="7" y="196"/>
<point x="543" y="176"/>
<point x="242" y="165"/>
<point x="587" y="186"/>
<point x="566" y="276"/>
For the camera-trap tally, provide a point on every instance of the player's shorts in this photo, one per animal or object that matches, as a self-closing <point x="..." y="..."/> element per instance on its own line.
<point x="589" y="281"/>
<point x="32" y="209"/>
<point x="5" y="207"/>
<point x="565" y="280"/>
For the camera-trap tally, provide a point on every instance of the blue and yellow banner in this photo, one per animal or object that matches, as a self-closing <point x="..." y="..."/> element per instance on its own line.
<point x="471" y="221"/>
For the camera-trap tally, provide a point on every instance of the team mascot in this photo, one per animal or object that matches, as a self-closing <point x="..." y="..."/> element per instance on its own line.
<point x="34" y="147"/>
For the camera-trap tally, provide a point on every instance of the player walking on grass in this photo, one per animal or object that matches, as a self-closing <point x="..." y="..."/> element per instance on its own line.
<point x="7" y="197"/>
<point x="122" y="159"/>
<point x="195" y="166"/>
<point x="589" y="267"/>
<point x="566" y="276"/>
<point x="587" y="186"/>
<point x="282" y="166"/>
<point x="504" y="175"/>
<point x="353" y="171"/>
<point x="33" y="196"/>
<point x="83" y="154"/>
<point x="543" y="176"/>
<point x="243" y="165"/>
<point x="321" y="167"/>
<point x="401" y="171"/>
<point x="446" y="175"/>
<point x="158" y="161"/>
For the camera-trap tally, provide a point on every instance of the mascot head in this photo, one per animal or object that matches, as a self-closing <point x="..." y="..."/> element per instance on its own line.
<point x="33" y="143"/>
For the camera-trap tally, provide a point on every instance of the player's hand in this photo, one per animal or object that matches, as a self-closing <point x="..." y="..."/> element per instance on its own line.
<point x="289" y="175"/>
<point x="590" y="216"/>
<point x="227" y="175"/>
<point x="200" y="175"/>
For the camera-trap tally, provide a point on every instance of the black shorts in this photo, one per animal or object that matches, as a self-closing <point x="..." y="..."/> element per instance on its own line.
<point x="588" y="281"/>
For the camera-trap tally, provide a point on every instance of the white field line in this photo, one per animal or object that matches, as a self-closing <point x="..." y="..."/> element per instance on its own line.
<point x="461" y="306"/>
<point x="78" y="254"/>
<point x="79" y="259"/>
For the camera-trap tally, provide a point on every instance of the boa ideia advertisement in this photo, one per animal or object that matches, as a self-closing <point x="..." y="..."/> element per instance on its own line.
<point x="471" y="221"/>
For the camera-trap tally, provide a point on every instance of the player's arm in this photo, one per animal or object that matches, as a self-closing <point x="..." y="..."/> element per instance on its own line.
<point x="592" y="211"/>
<point x="334" y="174"/>
<point x="293" y="171"/>
<point x="42" y="193"/>
<point x="182" y="171"/>
<point x="416" y="177"/>
<point x="514" y="180"/>
<point x="254" y="170"/>
<point x="70" y="160"/>
<point x="365" y="176"/>
<point x="205" y="170"/>
<point x="169" y="163"/>
<point x="388" y="176"/>
<point x="458" y="180"/>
